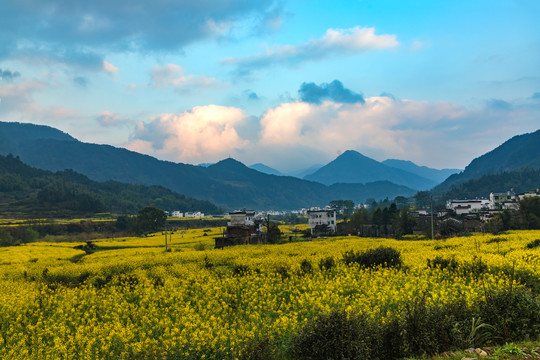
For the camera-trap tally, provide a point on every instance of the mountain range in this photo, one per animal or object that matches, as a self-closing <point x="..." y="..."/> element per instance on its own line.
<point x="353" y="167"/>
<point x="232" y="185"/>
<point x="228" y="183"/>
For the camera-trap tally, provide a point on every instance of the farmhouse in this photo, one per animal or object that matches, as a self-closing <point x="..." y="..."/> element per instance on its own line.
<point x="242" y="229"/>
<point x="462" y="207"/>
<point x="321" y="221"/>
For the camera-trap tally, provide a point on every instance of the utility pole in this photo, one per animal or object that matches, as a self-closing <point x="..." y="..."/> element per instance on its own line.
<point x="165" y="241"/>
<point x="431" y="205"/>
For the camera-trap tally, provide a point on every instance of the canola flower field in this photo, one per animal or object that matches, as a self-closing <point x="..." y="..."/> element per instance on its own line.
<point x="129" y="299"/>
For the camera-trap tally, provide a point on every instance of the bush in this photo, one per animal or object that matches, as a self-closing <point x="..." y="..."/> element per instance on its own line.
<point x="337" y="335"/>
<point x="514" y="314"/>
<point x="432" y="329"/>
<point x="442" y="263"/>
<point x="240" y="269"/>
<point x="533" y="244"/>
<point x="327" y="263"/>
<point x="381" y="256"/>
<point x="306" y="267"/>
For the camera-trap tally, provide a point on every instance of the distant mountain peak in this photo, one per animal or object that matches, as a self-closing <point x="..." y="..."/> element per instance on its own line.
<point x="265" y="169"/>
<point x="228" y="163"/>
<point x="354" y="167"/>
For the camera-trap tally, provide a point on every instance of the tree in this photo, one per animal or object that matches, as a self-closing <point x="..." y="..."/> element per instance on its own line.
<point x="273" y="234"/>
<point x="422" y="199"/>
<point x="344" y="206"/>
<point x="150" y="219"/>
<point x="529" y="211"/>
<point x="401" y="202"/>
<point x="404" y="223"/>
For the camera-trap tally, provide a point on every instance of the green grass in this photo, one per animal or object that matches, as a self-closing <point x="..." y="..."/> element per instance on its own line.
<point x="508" y="351"/>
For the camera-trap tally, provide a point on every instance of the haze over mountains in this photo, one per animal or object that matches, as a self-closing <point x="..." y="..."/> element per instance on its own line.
<point x="233" y="185"/>
<point x="228" y="183"/>
<point x="353" y="167"/>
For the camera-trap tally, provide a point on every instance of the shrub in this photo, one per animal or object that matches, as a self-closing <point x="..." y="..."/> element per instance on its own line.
<point x="533" y="244"/>
<point x="496" y="240"/>
<point x="381" y="256"/>
<point x="283" y="271"/>
<point x="199" y="247"/>
<point x="514" y="314"/>
<point x="306" y="267"/>
<point x="337" y="335"/>
<point x="442" y="263"/>
<point x="240" y="269"/>
<point x="431" y="329"/>
<point x="327" y="263"/>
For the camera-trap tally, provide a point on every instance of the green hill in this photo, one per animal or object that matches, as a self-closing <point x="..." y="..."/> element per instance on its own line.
<point x="520" y="152"/>
<point x="30" y="192"/>
<point x="229" y="183"/>
<point x="520" y="180"/>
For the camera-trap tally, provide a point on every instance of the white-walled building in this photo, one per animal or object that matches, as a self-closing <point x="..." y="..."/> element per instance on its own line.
<point x="177" y="214"/>
<point x="501" y="201"/>
<point x="194" y="214"/>
<point x="533" y="193"/>
<point x="242" y="218"/>
<point x="322" y="217"/>
<point x="462" y="207"/>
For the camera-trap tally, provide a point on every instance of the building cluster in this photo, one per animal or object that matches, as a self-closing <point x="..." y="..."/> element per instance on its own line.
<point x="487" y="207"/>
<point x="187" y="214"/>
<point x="245" y="227"/>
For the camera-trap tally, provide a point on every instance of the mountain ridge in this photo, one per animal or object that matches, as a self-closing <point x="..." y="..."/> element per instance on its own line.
<point x="519" y="152"/>
<point x="354" y="167"/>
<point x="228" y="183"/>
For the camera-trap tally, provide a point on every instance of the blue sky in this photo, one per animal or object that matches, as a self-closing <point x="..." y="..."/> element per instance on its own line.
<point x="286" y="83"/>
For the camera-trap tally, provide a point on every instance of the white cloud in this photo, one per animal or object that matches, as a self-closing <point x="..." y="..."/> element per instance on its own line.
<point x="297" y="134"/>
<point x="110" y="68"/>
<point x="172" y="75"/>
<point x="202" y="133"/>
<point x="380" y="128"/>
<point x="333" y="42"/>
<point x="108" y="119"/>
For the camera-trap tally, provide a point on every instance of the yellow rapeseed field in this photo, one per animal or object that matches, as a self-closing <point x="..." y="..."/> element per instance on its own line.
<point x="132" y="300"/>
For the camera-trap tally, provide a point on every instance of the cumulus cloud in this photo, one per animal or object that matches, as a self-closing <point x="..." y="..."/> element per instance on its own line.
<point x="19" y="96"/>
<point x="334" y="42"/>
<point x="202" y="133"/>
<point x="312" y="93"/>
<point x="172" y="75"/>
<point x="8" y="75"/>
<point x="294" y="133"/>
<point x="110" y="68"/>
<point x="380" y="127"/>
<point x="110" y="119"/>
<point x="83" y="32"/>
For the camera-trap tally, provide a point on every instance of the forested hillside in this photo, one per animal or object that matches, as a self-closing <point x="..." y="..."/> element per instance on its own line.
<point x="26" y="191"/>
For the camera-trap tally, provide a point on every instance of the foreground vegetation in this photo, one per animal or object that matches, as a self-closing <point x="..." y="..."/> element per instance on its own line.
<point x="350" y="297"/>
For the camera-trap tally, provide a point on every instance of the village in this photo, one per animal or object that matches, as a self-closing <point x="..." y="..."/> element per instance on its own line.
<point x="459" y="215"/>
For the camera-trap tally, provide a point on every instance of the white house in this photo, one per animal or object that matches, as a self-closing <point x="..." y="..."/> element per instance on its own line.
<point x="500" y="201"/>
<point x="242" y="218"/>
<point x="467" y="206"/>
<point x="533" y="193"/>
<point x="194" y="214"/>
<point x="322" y="217"/>
<point x="177" y="214"/>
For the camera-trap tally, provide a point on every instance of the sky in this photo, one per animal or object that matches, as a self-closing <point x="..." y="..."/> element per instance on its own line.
<point x="286" y="83"/>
